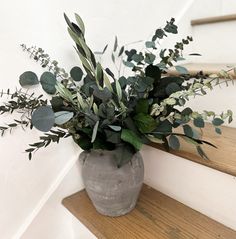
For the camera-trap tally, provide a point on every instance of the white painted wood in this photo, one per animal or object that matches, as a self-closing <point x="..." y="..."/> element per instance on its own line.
<point x="201" y="188"/>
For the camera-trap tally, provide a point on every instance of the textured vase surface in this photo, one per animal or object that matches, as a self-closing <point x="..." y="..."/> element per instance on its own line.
<point x="113" y="191"/>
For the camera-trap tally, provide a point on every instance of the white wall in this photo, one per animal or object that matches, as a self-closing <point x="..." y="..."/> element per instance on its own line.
<point x="54" y="221"/>
<point x="216" y="42"/>
<point x="25" y="185"/>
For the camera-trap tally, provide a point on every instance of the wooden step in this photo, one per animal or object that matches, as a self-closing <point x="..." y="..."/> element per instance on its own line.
<point x="156" y="216"/>
<point x="223" y="158"/>
<point x="209" y="20"/>
<point x="207" y="68"/>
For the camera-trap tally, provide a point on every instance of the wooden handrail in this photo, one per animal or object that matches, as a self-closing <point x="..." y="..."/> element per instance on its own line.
<point x="209" y="20"/>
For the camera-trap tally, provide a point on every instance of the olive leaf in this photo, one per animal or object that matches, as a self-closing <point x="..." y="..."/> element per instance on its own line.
<point x="62" y="117"/>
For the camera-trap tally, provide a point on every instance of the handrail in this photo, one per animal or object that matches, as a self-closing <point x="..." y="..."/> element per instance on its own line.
<point x="209" y="20"/>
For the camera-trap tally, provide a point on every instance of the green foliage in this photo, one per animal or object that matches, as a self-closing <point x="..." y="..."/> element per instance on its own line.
<point x="43" y="118"/>
<point x="48" y="82"/>
<point x="174" y="142"/>
<point x="199" y="122"/>
<point x="129" y="136"/>
<point x="28" y="78"/>
<point x="76" y="73"/>
<point x="145" y="123"/>
<point x="62" y="117"/>
<point x="102" y="109"/>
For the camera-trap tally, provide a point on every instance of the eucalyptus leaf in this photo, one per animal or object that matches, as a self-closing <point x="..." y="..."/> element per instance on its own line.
<point x="62" y="117"/>
<point x="182" y="70"/>
<point x="188" y="130"/>
<point x="218" y="130"/>
<point x="217" y="121"/>
<point x="28" y="78"/>
<point x="76" y="73"/>
<point x="48" y="82"/>
<point x="174" y="142"/>
<point x="43" y="118"/>
<point x="150" y="44"/>
<point x="128" y="64"/>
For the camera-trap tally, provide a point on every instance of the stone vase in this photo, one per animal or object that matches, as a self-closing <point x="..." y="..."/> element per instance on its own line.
<point x="113" y="191"/>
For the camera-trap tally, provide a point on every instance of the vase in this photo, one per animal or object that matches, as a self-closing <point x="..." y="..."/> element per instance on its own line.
<point x="113" y="191"/>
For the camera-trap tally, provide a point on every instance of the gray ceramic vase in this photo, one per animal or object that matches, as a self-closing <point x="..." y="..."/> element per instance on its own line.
<point x="113" y="191"/>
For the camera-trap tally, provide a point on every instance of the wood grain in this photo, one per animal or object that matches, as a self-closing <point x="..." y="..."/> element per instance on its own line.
<point x="209" y="20"/>
<point x="207" y="68"/>
<point x="223" y="158"/>
<point x="156" y="216"/>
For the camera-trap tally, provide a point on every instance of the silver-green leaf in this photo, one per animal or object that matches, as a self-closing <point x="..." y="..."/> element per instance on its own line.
<point x="62" y="117"/>
<point x="43" y="118"/>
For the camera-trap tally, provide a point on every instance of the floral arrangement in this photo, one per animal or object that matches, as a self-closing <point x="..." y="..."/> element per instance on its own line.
<point x="100" y="109"/>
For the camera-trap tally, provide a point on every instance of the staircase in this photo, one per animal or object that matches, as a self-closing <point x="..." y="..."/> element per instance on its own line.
<point x="159" y="216"/>
<point x="189" y="198"/>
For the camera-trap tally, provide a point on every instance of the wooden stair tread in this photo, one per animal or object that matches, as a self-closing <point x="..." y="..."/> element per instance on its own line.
<point x="156" y="216"/>
<point x="223" y="158"/>
<point x="208" y="20"/>
<point x="207" y="68"/>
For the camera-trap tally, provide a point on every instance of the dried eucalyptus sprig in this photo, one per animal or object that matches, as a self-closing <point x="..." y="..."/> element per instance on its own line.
<point x="53" y="137"/>
<point x="39" y="55"/>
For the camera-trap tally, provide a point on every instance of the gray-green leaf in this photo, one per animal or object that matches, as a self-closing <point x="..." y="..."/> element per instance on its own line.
<point x="43" y="118"/>
<point x="62" y="117"/>
<point x="182" y="70"/>
<point x="28" y="78"/>
<point x="95" y="130"/>
<point x="174" y="142"/>
<point x="115" y="127"/>
<point x="76" y="73"/>
<point x="199" y="122"/>
<point x="48" y="82"/>
<point x="217" y="122"/>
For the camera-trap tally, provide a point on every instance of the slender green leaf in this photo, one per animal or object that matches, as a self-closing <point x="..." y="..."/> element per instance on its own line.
<point x="62" y="117"/>
<point x="80" y="23"/>
<point x="95" y="130"/>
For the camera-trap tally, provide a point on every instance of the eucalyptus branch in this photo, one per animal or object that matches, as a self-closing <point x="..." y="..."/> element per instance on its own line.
<point x="21" y="101"/>
<point x="9" y="127"/>
<point x="53" y="137"/>
<point x="38" y="54"/>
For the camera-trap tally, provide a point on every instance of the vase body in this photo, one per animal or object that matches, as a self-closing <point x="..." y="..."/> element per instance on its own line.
<point x="113" y="191"/>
